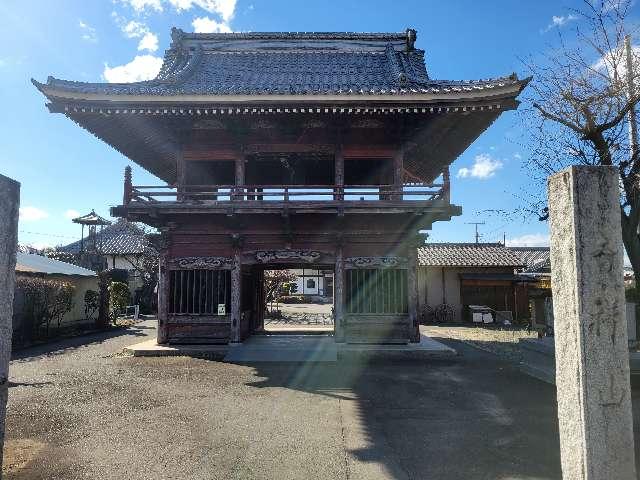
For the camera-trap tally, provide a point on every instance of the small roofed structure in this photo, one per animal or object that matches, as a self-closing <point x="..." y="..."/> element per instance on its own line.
<point x="93" y="221"/>
<point x="463" y="274"/>
<point x="122" y="244"/>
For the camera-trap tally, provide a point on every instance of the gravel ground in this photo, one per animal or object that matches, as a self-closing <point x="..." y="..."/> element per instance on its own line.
<point x="81" y="410"/>
<point x="503" y="343"/>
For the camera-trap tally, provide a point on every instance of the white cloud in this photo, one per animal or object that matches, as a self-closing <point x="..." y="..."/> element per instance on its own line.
<point x="88" y="32"/>
<point x="32" y="214"/>
<point x="142" y="67"/>
<point x="134" y="29"/>
<point x="71" y="214"/>
<point x="142" y="5"/>
<point x="559" y="21"/>
<point x="225" y="9"/>
<point x="517" y="156"/>
<point x="209" y="25"/>
<point x="483" y="167"/>
<point x="529" y="240"/>
<point x="38" y="245"/>
<point x="615" y="61"/>
<point x="148" y="42"/>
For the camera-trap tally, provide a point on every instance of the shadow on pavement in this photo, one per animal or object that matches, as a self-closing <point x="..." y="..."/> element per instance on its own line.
<point x="473" y="417"/>
<point x="65" y="345"/>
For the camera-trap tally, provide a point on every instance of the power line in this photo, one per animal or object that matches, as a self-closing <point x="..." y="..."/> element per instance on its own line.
<point x="46" y="234"/>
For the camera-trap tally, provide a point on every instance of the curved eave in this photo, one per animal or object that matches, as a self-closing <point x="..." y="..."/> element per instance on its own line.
<point x="458" y="94"/>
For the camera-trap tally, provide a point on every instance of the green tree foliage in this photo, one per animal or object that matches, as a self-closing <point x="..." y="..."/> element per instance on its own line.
<point x="119" y="298"/>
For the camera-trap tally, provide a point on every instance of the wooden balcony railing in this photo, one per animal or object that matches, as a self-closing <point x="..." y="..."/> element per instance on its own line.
<point x="285" y="193"/>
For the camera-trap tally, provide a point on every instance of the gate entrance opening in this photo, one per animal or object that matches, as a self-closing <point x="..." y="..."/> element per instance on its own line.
<point x="297" y="299"/>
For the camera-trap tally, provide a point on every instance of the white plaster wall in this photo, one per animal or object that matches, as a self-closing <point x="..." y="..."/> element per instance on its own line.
<point x="125" y="263"/>
<point x="430" y="287"/>
<point x="319" y="280"/>
<point x="82" y="284"/>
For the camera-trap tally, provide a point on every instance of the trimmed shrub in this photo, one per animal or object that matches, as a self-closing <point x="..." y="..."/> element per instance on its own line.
<point x="45" y="302"/>
<point x="91" y="303"/>
<point x="119" y="298"/>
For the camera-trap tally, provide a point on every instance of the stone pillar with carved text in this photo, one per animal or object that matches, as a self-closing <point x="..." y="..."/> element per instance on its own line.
<point x="9" y="206"/>
<point x="591" y="349"/>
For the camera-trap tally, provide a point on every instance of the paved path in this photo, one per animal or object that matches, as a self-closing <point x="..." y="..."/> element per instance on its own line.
<point x="82" y="411"/>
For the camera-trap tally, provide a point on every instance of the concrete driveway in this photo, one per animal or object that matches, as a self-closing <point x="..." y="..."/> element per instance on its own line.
<point x="85" y="411"/>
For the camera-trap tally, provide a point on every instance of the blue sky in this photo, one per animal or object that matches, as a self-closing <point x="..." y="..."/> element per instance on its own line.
<point x="64" y="170"/>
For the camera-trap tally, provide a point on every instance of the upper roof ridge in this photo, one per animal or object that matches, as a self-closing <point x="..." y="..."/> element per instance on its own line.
<point x="285" y="40"/>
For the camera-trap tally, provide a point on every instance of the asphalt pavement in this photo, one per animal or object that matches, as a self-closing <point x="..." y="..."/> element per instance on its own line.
<point x="79" y="409"/>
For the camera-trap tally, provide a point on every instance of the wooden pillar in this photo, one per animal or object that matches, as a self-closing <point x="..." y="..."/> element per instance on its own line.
<point x="398" y="166"/>
<point x="446" y="182"/>
<point x="128" y="186"/>
<point x="236" y="296"/>
<point x="239" y="164"/>
<point x="338" y="295"/>
<point x="412" y="293"/>
<point x="181" y="176"/>
<point x="339" y="172"/>
<point x="163" y="297"/>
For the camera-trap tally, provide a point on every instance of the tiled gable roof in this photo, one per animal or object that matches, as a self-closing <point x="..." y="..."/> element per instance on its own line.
<point x="535" y="259"/>
<point x="121" y="238"/>
<point x="283" y="63"/>
<point x="467" y="255"/>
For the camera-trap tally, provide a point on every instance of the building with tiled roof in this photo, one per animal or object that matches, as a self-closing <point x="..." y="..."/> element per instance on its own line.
<point x="30" y="265"/>
<point x="120" y="239"/>
<point x="304" y="149"/>
<point x="463" y="274"/>
<point x="206" y="76"/>
<point x="123" y="245"/>
<point x="467" y="255"/>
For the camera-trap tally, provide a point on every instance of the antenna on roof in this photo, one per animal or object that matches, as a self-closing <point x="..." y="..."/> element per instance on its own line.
<point x="477" y="234"/>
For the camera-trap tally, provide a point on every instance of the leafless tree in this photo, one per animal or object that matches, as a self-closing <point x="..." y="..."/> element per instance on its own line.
<point x="579" y="106"/>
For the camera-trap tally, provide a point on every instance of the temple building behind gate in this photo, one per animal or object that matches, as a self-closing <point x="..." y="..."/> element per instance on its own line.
<point x="322" y="151"/>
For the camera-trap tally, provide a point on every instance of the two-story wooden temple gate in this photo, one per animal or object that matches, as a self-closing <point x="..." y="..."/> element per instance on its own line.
<point x="288" y="149"/>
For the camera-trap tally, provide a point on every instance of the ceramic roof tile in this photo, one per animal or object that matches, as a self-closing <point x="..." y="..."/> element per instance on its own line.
<point x="467" y="255"/>
<point x="536" y="259"/>
<point x="287" y="64"/>
<point x="121" y="238"/>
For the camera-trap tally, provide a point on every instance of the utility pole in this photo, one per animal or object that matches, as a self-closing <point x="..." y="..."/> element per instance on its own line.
<point x="631" y="91"/>
<point x="477" y="234"/>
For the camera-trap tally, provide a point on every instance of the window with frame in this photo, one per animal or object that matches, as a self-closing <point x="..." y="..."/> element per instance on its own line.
<point x="377" y="291"/>
<point x="199" y="292"/>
